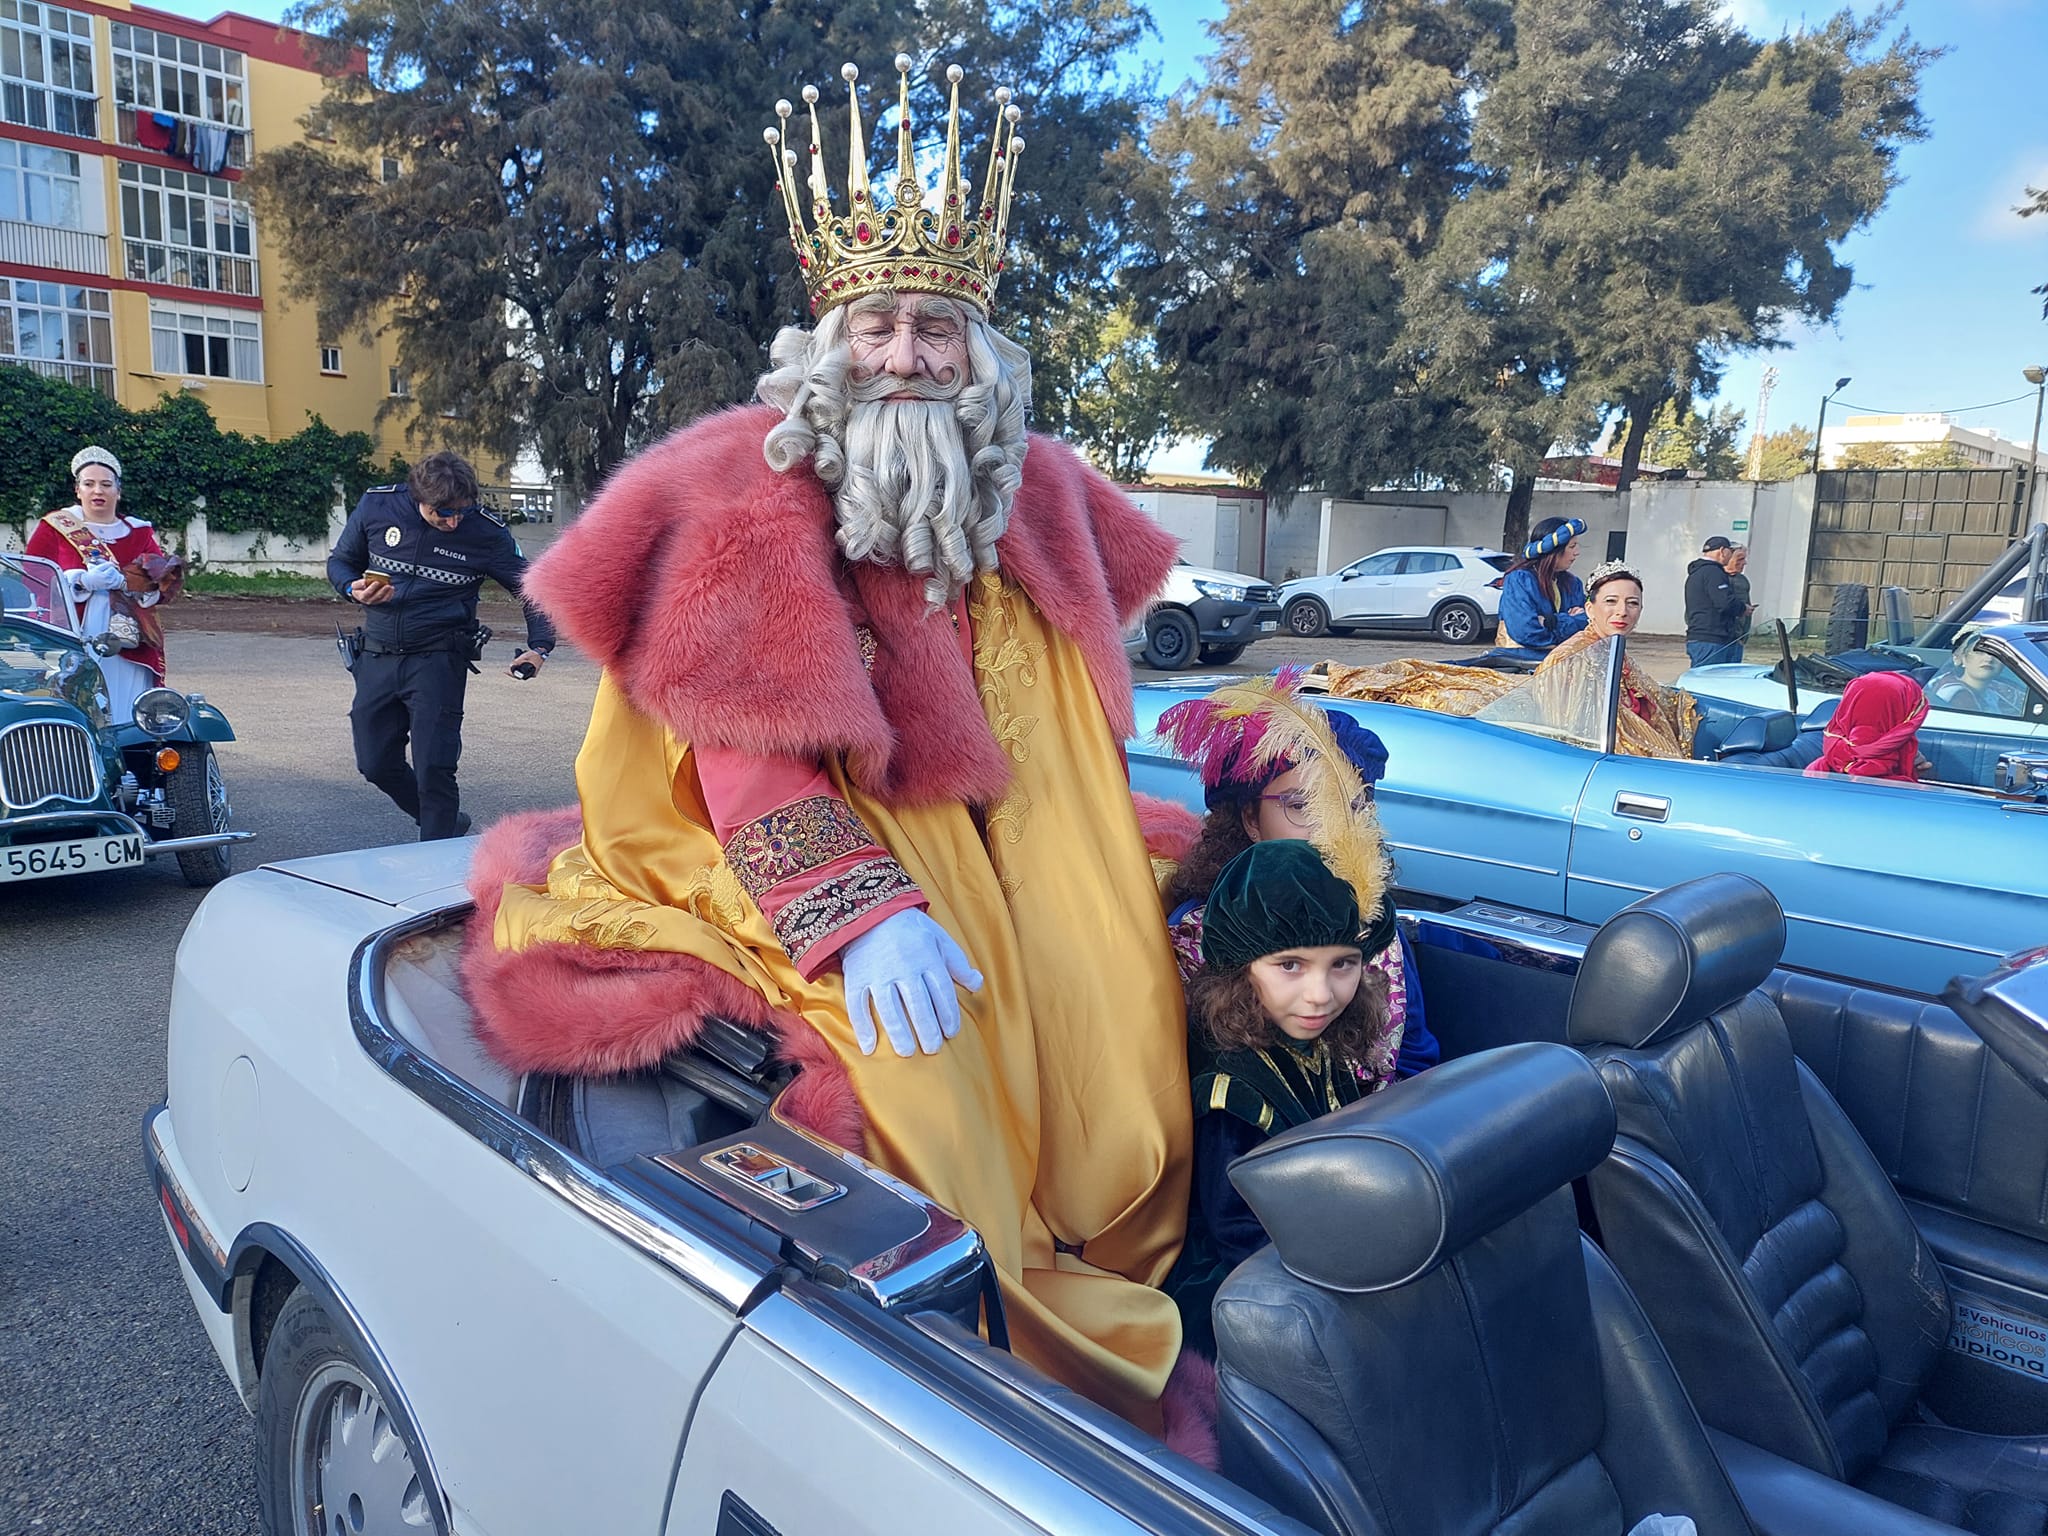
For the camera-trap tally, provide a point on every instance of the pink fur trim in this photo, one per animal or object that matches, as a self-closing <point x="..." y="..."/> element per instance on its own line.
<point x="575" y="1009"/>
<point x="1171" y="830"/>
<point x="712" y="589"/>
<point x="1188" y="1410"/>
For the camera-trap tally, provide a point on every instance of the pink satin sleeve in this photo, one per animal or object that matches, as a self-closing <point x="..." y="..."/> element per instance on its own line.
<point x="802" y="853"/>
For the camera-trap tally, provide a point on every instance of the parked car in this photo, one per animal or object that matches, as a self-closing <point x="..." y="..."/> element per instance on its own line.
<point x="456" y="1301"/>
<point x="1887" y="883"/>
<point x="2005" y="605"/>
<point x="1208" y="616"/>
<point x="1452" y="592"/>
<point x="81" y="792"/>
<point x="1964" y="746"/>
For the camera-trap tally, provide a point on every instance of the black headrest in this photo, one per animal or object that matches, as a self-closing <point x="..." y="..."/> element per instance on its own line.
<point x="1817" y="719"/>
<point x="1380" y="1193"/>
<point x="1671" y="959"/>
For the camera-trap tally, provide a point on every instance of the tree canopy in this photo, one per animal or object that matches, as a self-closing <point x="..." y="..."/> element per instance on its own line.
<point x="1702" y="442"/>
<point x="1397" y="240"/>
<point x="1785" y="454"/>
<point x="583" y="245"/>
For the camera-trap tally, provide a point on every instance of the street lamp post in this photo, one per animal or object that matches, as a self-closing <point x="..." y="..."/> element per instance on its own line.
<point x="1819" y="426"/>
<point x="2038" y="377"/>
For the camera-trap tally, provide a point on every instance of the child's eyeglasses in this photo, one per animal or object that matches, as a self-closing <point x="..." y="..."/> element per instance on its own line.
<point x="1294" y="805"/>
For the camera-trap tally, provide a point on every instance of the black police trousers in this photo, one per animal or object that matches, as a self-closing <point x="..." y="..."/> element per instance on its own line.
<point x="417" y="696"/>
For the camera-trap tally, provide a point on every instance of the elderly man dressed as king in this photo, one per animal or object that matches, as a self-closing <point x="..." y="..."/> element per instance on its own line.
<point x="855" y="773"/>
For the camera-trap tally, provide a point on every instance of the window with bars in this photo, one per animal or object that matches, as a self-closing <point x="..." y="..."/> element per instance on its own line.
<point x="206" y="343"/>
<point x="46" y="78"/>
<point x="180" y="77"/>
<point x="40" y="185"/>
<point x="188" y="230"/>
<point x="59" y="331"/>
<point x="330" y="359"/>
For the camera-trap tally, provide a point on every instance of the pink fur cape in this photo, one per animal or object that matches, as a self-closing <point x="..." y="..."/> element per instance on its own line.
<point x="711" y="589"/>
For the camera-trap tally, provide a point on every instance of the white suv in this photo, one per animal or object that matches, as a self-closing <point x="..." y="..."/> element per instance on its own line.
<point x="1451" y="591"/>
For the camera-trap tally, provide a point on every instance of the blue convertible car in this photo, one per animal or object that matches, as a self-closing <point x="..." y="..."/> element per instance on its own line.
<point x="1899" y="885"/>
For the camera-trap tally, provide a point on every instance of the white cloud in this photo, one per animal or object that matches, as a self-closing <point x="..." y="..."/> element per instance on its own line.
<point x="1751" y="15"/>
<point x="1996" y="219"/>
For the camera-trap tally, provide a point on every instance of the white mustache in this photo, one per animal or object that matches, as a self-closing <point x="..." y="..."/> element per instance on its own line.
<point x="880" y="386"/>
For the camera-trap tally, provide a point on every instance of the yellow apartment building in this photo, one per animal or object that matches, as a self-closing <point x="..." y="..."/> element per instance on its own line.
<point x="130" y="261"/>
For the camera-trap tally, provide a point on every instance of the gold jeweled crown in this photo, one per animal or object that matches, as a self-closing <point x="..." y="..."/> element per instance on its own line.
<point x="907" y="247"/>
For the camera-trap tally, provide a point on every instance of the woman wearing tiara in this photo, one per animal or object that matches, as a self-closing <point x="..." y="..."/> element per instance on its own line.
<point x="1570" y="685"/>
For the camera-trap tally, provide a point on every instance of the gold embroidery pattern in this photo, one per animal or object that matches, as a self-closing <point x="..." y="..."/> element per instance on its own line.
<point x="602" y="925"/>
<point x="1001" y="660"/>
<point x="792" y="840"/>
<point x="837" y="902"/>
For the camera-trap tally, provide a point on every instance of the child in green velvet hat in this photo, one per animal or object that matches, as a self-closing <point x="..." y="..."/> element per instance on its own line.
<point x="1280" y="1019"/>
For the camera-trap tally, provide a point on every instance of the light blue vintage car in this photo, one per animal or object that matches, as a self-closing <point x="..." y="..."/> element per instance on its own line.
<point x="1894" y="884"/>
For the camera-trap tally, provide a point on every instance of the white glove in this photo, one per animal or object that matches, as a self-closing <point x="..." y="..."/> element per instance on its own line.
<point x="101" y="576"/>
<point x="901" y="973"/>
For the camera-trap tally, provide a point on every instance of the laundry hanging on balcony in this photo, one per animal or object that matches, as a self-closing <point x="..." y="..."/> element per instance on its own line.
<point x="206" y="145"/>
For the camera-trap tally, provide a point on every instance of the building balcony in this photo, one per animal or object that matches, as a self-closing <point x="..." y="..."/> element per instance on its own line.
<point x="43" y="245"/>
<point x="182" y="267"/>
<point x="50" y="109"/>
<point x="85" y="375"/>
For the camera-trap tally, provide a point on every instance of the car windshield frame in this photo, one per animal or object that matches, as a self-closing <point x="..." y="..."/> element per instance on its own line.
<point x="43" y="581"/>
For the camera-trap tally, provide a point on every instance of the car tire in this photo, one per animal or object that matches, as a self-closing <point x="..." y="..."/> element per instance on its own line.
<point x="1848" y="619"/>
<point x="1220" y="655"/>
<point x="328" y="1455"/>
<point x="1341" y="631"/>
<point x="1306" y="618"/>
<point x="1171" y="639"/>
<point x="1458" y="623"/>
<point x="198" y="798"/>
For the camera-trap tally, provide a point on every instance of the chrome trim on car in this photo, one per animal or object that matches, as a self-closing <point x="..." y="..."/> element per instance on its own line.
<point x="45" y="760"/>
<point x="1467" y="857"/>
<point x="944" y="1268"/>
<point x="1519" y="937"/>
<point x="725" y="1277"/>
<point x="188" y="844"/>
<point x="123" y="825"/>
<point x="1807" y="917"/>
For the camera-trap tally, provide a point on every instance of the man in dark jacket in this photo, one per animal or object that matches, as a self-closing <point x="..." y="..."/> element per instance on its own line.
<point x="1716" y="611"/>
<point x="415" y="556"/>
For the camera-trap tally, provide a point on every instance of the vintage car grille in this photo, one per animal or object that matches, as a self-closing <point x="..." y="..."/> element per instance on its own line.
<point x="45" y="760"/>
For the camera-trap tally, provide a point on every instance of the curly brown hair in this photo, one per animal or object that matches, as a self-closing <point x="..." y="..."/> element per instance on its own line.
<point x="1223" y="839"/>
<point x="1224" y="1007"/>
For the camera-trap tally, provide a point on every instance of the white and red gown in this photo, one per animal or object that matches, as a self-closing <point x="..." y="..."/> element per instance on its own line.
<point x="57" y="537"/>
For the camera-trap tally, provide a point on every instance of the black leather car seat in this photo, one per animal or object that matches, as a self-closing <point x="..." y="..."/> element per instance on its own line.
<point x="1781" y="1270"/>
<point x="1429" y="1347"/>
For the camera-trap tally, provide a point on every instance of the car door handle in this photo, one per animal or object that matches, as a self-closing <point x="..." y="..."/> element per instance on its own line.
<point x="1642" y="807"/>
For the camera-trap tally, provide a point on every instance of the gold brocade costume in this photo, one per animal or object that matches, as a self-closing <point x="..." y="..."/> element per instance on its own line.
<point x="1566" y="691"/>
<point x="1061" y="1113"/>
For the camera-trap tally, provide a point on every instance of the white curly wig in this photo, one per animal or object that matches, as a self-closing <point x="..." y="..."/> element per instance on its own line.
<point x="926" y="484"/>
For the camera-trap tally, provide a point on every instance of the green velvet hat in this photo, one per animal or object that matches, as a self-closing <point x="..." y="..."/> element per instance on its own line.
<point x="1276" y="895"/>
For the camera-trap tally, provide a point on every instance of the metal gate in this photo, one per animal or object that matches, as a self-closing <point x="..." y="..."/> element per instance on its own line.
<point x="1930" y="531"/>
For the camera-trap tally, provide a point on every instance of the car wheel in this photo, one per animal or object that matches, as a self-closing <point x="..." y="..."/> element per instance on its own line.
<point x="1171" y="639"/>
<point x="329" y="1459"/>
<point x="1457" y="623"/>
<point x="1307" y="617"/>
<point x="1220" y="655"/>
<point x="1848" y="619"/>
<point x="1342" y="631"/>
<point x="198" y="798"/>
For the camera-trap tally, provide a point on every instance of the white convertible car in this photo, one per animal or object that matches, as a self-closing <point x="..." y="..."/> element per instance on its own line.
<point x="457" y="1302"/>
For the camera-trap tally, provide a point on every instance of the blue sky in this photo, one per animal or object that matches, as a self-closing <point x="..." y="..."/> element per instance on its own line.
<point x="1941" y="317"/>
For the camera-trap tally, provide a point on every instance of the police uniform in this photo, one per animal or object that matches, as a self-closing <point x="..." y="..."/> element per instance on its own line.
<point x="416" y="650"/>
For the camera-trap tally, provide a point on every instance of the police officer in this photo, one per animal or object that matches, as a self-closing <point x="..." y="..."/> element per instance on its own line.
<point x="415" y="557"/>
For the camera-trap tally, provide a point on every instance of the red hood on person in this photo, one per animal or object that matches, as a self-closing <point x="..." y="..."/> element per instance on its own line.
<point x="1875" y="732"/>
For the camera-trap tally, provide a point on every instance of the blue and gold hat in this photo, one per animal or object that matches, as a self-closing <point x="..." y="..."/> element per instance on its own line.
<point x="1552" y="533"/>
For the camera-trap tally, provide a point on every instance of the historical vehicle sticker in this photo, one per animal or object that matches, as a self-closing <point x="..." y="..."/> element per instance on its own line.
<point x="2017" y="1342"/>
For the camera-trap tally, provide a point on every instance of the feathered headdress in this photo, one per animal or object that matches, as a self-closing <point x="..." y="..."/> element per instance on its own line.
<point x="1250" y="732"/>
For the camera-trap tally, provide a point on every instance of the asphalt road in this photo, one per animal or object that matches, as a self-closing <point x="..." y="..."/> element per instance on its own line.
<point x="114" y="1414"/>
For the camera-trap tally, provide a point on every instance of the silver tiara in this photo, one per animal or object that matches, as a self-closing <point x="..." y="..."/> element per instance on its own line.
<point x="1611" y="569"/>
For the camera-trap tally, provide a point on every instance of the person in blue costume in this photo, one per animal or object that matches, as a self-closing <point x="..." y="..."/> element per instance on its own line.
<point x="1261" y="781"/>
<point x="1541" y="601"/>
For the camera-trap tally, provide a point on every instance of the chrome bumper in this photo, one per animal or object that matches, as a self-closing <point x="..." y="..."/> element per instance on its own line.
<point x="120" y="824"/>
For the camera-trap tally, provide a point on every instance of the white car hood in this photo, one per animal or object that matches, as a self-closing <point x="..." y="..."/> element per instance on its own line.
<point x="1210" y="573"/>
<point x="418" y="877"/>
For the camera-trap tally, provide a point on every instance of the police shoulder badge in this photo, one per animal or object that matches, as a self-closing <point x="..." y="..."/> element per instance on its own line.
<point x="391" y="537"/>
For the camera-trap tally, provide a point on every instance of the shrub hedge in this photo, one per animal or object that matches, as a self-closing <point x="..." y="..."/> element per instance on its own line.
<point x="172" y="454"/>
